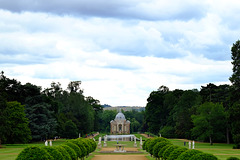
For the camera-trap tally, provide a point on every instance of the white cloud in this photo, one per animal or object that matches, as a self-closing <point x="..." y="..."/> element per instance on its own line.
<point x="120" y="60"/>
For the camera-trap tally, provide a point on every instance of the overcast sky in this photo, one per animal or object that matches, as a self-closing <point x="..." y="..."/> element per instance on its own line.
<point x="121" y="50"/>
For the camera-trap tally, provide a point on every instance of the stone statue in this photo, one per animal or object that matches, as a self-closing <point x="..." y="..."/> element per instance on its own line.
<point x="193" y="145"/>
<point x="50" y="143"/>
<point x="189" y="144"/>
<point x="135" y="141"/>
<point x="141" y="143"/>
<point x="105" y="141"/>
<point x="100" y="143"/>
<point x="46" y="143"/>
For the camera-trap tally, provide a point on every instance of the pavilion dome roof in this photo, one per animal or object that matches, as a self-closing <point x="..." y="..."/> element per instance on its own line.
<point x="120" y="116"/>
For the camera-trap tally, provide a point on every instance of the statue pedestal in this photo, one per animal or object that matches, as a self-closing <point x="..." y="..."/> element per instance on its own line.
<point x="120" y="148"/>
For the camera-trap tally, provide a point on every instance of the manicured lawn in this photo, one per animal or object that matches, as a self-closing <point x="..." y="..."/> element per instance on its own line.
<point x="10" y="151"/>
<point x="220" y="150"/>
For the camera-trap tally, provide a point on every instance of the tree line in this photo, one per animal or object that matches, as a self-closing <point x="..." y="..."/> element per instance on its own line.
<point x="211" y="114"/>
<point x="29" y="113"/>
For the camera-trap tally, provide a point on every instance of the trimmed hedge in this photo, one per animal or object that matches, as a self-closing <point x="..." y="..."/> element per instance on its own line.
<point x="145" y="144"/>
<point x="203" y="156"/>
<point x="66" y="155"/>
<point x="86" y="145"/>
<point x="71" y="152"/>
<point x="153" y="142"/>
<point x="158" y="146"/>
<point x="75" y="148"/>
<point x="54" y="152"/>
<point x="34" y="153"/>
<point x="81" y="146"/>
<point x="168" y="151"/>
<point x="160" y="153"/>
<point x="188" y="154"/>
<point x="176" y="152"/>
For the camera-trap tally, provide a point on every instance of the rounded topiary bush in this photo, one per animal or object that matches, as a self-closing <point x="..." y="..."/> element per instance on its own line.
<point x="176" y="152"/>
<point x="168" y="151"/>
<point x="153" y="143"/>
<point x="71" y="152"/>
<point x="233" y="158"/>
<point x="54" y="152"/>
<point x="66" y="155"/>
<point x="86" y="145"/>
<point x="34" y="153"/>
<point x="203" y="156"/>
<point x="158" y="146"/>
<point x="81" y="146"/>
<point x="94" y="144"/>
<point x="145" y="144"/>
<point x="161" y="151"/>
<point x="188" y="154"/>
<point x="75" y="148"/>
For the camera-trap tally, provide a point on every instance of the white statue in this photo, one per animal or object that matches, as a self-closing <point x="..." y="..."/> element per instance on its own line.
<point x="99" y="142"/>
<point x="135" y="141"/>
<point x="189" y="144"/>
<point x="141" y="143"/>
<point x="193" y="145"/>
<point x="105" y="143"/>
<point x="46" y="143"/>
<point x="50" y="143"/>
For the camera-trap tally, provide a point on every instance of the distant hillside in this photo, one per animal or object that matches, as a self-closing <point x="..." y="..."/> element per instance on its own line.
<point x="124" y="108"/>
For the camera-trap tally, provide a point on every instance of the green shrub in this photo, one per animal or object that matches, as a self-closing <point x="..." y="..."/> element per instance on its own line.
<point x="75" y="148"/>
<point x="54" y="152"/>
<point x="153" y="142"/>
<point x="233" y="158"/>
<point x="34" y="153"/>
<point x="203" y="156"/>
<point x="86" y="144"/>
<point x="94" y="144"/>
<point x="158" y="146"/>
<point x="188" y="154"/>
<point x="236" y="139"/>
<point x="145" y="144"/>
<point x="64" y="152"/>
<point x="81" y="146"/>
<point x="168" y="151"/>
<point x="161" y="151"/>
<point x="71" y="152"/>
<point x="174" y="155"/>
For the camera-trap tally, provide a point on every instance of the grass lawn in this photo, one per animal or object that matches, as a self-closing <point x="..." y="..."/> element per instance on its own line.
<point x="10" y="151"/>
<point x="220" y="150"/>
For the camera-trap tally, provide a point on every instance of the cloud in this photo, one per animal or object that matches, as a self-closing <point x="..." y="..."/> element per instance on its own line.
<point x="120" y="50"/>
<point x="123" y="9"/>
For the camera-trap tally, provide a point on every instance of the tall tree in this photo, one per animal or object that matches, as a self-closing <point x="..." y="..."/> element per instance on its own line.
<point x="209" y="122"/>
<point x="183" y="112"/>
<point x="42" y="122"/>
<point x="235" y="98"/>
<point x="16" y="123"/>
<point x="156" y="112"/>
<point x="97" y="110"/>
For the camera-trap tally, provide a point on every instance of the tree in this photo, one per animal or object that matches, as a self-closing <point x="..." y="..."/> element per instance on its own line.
<point x="209" y="122"/>
<point x="156" y="112"/>
<point x="183" y="112"/>
<point x="71" y="130"/>
<point x="135" y="125"/>
<point x="235" y="95"/>
<point x="16" y="123"/>
<point x="97" y="109"/>
<point x="42" y="123"/>
<point x="105" y="118"/>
